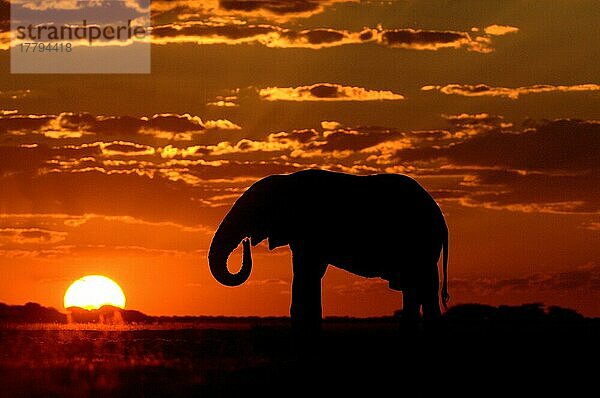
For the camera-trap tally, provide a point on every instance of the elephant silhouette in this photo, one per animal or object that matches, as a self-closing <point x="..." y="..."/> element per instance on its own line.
<point x="382" y="225"/>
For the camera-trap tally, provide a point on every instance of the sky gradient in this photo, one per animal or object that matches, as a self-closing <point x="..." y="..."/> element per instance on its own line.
<point x="493" y="107"/>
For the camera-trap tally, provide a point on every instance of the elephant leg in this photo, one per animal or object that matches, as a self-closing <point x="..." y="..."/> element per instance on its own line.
<point x="431" y="307"/>
<point x="306" y="310"/>
<point x="430" y="295"/>
<point x="410" y="304"/>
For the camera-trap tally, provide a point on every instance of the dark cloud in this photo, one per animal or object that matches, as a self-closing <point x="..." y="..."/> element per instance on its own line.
<point x="561" y="145"/>
<point x="549" y="166"/>
<point x="478" y="120"/>
<point x="24" y="236"/>
<point x="279" y="7"/>
<point x="199" y="30"/>
<point x="412" y="37"/>
<point x="358" y="139"/>
<point x="125" y="147"/>
<point x="418" y="39"/>
<point x="154" y="199"/>
<point x="189" y="194"/>
<point x="127" y="125"/>
<point x="202" y="32"/>
<point x="552" y="166"/>
<point x="209" y="22"/>
<point x="535" y="192"/>
<point x="31" y="158"/>
<point x="272" y="10"/>
<point x="316" y="36"/>
<point x="585" y="278"/>
<point x="15" y="124"/>
<point x="302" y="136"/>
<point x="327" y="92"/>
<point x="69" y="125"/>
<point x="483" y="90"/>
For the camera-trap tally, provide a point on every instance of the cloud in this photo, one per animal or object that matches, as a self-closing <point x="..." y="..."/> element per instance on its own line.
<point x="330" y="125"/>
<point x="483" y="90"/>
<point x="27" y="159"/>
<point x="585" y="278"/>
<point x="273" y="143"/>
<point x="552" y="166"/>
<point x="221" y="124"/>
<point x="68" y="125"/>
<point x="203" y="33"/>
<point x="23" y="236"/>
<point x="418" y="39"/>
<point x="310" y="143"/>
<point x="480" y="160"/>
<point x="326" y="92"/>
<point x="473" y="124"/>
<point x="223" y="103"/>
<point x="533" y="192"/>
<point x="358" y="138"/>
<point x="218" y="22"/>
<point x="124" y="148"/>
<point x="279" y="9"/>
<point x="272" y="10"/>
<point x="500" y="30"/>
<point x="560" y="145"/>
<point x="227" y="101"/>
<point x="124" y="179"/>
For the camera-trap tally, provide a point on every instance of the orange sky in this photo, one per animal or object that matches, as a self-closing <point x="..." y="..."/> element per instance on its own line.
<point x="494" y="108"/>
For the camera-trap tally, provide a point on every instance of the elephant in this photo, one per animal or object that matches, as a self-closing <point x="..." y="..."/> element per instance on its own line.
<point x="380" y="225"/>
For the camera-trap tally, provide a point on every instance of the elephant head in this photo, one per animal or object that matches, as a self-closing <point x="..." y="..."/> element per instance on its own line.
<point x="252" y="218"/>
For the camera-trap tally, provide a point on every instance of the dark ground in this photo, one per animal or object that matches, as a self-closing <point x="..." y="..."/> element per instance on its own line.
<point x="482" y="356"/>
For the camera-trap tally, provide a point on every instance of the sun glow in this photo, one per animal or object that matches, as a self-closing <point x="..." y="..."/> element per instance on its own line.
<point x="94" y="291"/>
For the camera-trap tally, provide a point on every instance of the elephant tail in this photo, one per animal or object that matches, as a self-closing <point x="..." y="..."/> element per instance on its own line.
<point x="445" y="295"/>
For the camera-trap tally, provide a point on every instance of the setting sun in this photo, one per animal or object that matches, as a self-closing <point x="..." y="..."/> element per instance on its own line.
<point x="94" y="291"/>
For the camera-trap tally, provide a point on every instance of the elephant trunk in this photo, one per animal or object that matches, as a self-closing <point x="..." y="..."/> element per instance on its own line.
<point x="221" y="247"/>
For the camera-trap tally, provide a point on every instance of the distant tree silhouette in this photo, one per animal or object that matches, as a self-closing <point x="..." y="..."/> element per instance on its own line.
<point x="133" y="316"/>
<point x="525" y="312"/>
<point x="471" y="312"/>
<point x="534" y="312"/>
<point x="556" y="313"/>
<point x="30" y="313"/>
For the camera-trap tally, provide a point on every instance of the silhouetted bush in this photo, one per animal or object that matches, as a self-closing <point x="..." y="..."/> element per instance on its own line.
<point x="132" y="316"/>
<point x="534" y="312"/>
<point x="471" y="312"/>
<point x="525" y="312"/>
<point x="556" y="313"/>
<point x="30" y="313"/>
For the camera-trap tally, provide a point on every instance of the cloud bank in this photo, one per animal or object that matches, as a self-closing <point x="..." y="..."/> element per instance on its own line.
<point x="326" y="92"/>
<point x="483" y="90"/>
